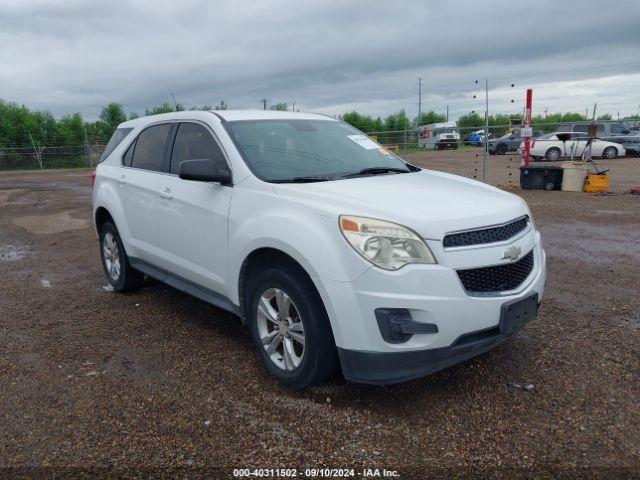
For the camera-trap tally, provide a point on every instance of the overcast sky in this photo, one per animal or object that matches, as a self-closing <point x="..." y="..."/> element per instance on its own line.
<point x="326" y="56"/>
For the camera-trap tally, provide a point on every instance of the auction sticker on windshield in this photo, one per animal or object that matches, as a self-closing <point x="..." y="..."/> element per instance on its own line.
<point x="364" y="141"/>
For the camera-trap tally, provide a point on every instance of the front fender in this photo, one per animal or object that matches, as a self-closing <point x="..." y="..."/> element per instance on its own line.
<point x="308" y="235"/>
<point x="312" y="239"/>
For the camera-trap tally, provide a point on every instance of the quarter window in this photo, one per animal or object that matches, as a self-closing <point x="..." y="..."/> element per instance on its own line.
<point x="115" y="140"/>
<point x="193" y="141"/>
<point x="148" y="153"/>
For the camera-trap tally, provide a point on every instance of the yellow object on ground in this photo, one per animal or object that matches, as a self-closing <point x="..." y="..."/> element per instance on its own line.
<point x="596" y="183"/>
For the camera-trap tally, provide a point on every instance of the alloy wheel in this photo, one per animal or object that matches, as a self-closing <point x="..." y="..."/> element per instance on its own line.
<point x="111" y="255"/>
<point x="280" y="329"/>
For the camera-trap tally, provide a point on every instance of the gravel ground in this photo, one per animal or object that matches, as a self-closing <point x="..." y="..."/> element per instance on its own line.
<point x="158" y="380"/>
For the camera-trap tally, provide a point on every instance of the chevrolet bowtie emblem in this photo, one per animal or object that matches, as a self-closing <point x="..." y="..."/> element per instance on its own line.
<point x="512" y="253"/>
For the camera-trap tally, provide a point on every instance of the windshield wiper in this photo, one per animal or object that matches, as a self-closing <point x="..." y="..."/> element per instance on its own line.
<point x="375" y="171"/>
<point x="308" y="179"/>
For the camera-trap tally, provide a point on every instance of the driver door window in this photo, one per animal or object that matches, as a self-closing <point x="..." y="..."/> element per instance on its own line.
<point x="193" y="141"/>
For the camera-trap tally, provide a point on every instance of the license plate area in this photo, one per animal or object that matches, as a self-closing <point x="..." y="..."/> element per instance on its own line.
<point x="514" y="314"/>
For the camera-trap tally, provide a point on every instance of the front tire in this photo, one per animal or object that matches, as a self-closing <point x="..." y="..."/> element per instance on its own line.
<point x="290" y="327"/>
<point x="610" y="153"/>
<point x="121" y="276"/>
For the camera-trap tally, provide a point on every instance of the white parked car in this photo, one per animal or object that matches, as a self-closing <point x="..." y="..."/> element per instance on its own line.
<point x="550" y="147"/>
<point x="334" y="252"/>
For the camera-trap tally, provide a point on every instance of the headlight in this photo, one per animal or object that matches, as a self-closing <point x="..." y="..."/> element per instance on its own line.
<point x="385" y="244"/>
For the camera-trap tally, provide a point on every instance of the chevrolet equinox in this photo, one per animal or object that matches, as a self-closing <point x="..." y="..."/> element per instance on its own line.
<point x="334" y="252"/>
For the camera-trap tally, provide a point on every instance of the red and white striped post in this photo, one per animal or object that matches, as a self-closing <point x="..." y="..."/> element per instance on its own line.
<point x="527" y="130"/>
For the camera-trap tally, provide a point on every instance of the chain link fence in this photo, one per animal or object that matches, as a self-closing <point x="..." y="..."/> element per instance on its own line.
<point x="50" y="157"/>
<point x="467" y="159"/>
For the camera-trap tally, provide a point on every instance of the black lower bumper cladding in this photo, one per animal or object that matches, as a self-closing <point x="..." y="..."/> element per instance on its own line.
<point x="389" y="368"/>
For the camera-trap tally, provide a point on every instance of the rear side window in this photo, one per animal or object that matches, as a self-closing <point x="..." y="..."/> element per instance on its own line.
<point x="149" y="150"/>
<point x="193" y="141"/>
<point x="115" y="140"/>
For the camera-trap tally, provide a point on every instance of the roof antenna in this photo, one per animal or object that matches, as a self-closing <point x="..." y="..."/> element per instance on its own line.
<point x="174" y="101"/>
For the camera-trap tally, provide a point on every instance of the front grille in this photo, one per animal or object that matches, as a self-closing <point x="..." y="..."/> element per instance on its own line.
<point x="486" y="235"/>
<point x="499" y="278"/>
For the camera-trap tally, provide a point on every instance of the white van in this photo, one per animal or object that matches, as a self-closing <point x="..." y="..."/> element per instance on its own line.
<point x="335" y="253"/>
<point x="438" y="135"/>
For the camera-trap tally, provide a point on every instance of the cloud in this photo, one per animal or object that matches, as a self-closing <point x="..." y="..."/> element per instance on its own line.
<point x="326" y="56"/>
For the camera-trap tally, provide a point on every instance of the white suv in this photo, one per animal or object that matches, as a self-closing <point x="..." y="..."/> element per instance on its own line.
<point x="334" y="252"/>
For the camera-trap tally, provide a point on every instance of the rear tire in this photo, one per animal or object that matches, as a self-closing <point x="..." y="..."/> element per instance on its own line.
<point x="120" y="274"/>
<point x="290" y="327"/>
<point x="553" y="154"/>
<point x="610" y="153"/>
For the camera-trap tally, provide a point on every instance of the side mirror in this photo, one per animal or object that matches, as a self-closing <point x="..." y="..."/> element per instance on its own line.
<point x="205" y="170"/>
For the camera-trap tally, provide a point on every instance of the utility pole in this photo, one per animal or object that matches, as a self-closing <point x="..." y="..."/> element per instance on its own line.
<point x="595" y="106"/>
<point x="419" y="100"/>
<point x="264" y="103"/>
<point x="447" y="113"/>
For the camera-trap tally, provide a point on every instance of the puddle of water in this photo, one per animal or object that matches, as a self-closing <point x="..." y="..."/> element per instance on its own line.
<point x="46" y="224"/>
<point x="11" y="253"/>
<point x="611" y="212"/>
<point x="71" y="186"/>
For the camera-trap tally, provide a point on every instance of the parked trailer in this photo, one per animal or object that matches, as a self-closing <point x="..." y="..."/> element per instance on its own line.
<point x="439" y="135"/>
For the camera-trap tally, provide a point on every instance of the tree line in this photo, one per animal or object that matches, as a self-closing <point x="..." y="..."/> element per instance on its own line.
<point x="23" y="127"/>
<point x="470" y="121"/>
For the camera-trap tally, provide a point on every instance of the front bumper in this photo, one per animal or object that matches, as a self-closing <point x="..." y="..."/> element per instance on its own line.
<point x="432" y="294"/>
<point x="389" y="368"/>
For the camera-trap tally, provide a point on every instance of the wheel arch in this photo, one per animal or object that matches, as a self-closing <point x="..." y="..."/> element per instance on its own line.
<point x="257" y="259"/>
<point x="107" y="204"/>
<point x="266" y="255"/>
<point x="100" y="216"/>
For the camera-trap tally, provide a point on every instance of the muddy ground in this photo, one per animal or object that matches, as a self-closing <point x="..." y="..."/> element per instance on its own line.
<point x="159" y="380"/>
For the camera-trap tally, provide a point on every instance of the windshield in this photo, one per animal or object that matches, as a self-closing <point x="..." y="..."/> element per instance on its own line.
<point x="285" y="150"/>
<point x="446" y="130"/>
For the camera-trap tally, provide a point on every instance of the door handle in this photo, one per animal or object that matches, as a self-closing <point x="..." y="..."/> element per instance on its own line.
<point x="166" y="193"/>
<point x="121" y="180"/>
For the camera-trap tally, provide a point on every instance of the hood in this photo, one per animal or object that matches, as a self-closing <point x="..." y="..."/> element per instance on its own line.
<point x="430" y="203"/>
